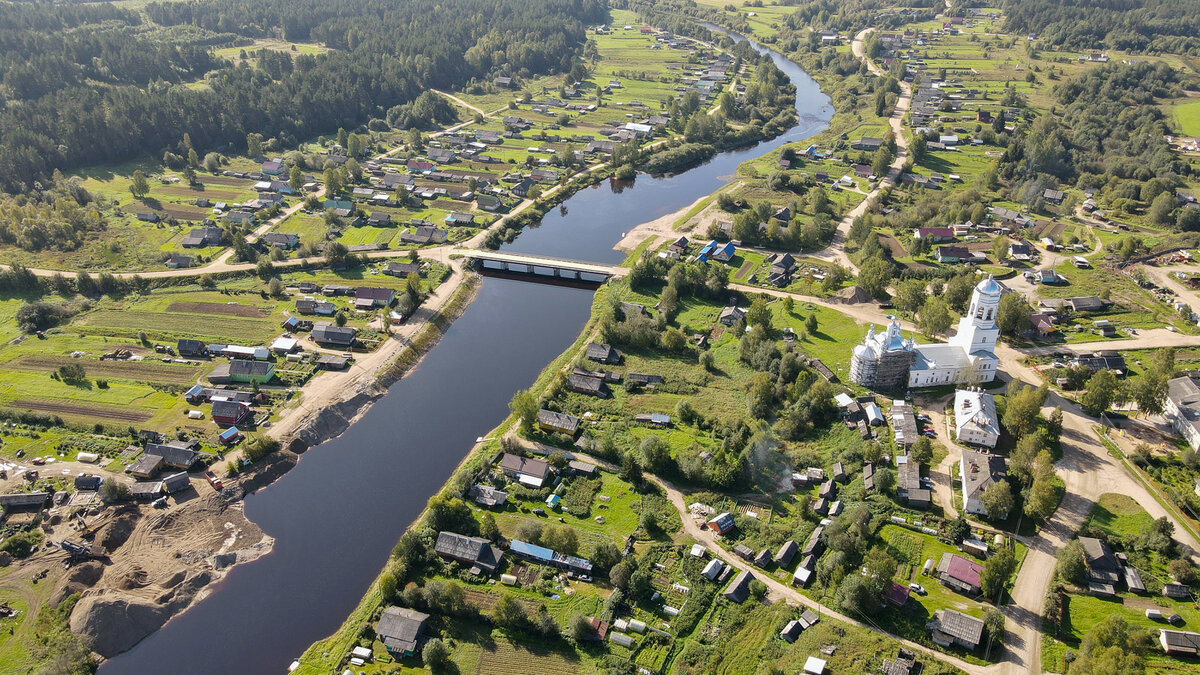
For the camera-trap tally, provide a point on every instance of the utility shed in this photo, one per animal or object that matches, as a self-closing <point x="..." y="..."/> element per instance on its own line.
<point x="31" y="500"/>
<point x="739" y="589"/>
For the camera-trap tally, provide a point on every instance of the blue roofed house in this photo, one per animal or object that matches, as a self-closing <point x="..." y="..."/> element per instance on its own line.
<point x="230" y="436"/>
<point x="717" y="251"/>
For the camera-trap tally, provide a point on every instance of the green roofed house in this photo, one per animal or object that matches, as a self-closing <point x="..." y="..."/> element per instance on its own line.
<point x="251" y="371"/>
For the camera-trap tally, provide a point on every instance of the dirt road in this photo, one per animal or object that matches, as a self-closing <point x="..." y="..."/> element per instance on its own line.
<point x="778" y="591"/>
<point x="1086" y="468"/>
<point x="836" y="252"/>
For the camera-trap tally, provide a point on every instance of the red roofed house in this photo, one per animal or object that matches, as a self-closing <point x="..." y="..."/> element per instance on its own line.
<point x="897" y="595"/>
<point x="722" y="523"/>
<point x="936" y="234"/>
<point x="960" y="574"/>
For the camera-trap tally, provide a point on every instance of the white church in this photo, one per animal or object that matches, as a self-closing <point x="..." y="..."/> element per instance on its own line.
<point x="889" y="361"/>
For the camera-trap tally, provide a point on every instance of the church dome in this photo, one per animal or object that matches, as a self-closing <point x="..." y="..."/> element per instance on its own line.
<point x="864" y="352"/>
<point x="988" y="286"/>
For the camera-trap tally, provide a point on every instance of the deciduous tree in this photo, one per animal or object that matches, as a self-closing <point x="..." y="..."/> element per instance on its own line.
<point x="525" y="406"/>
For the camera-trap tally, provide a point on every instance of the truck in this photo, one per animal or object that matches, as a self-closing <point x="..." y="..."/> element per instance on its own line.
<point x="214" y="481"/>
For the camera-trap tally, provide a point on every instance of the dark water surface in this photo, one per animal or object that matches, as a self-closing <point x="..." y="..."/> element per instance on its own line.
<point x="337" y="514"/>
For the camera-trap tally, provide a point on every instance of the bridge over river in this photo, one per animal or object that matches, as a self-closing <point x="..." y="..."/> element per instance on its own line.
<point x="541" y="266"/>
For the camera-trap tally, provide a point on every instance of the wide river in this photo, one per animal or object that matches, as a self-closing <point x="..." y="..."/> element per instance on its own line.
<point x="337" y="514"/>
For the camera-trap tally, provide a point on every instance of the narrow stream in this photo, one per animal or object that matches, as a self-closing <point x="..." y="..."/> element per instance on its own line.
<point x="337" y="514"/>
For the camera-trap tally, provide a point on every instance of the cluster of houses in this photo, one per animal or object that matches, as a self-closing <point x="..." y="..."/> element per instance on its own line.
<point x="402" y="630"/>
<point x="161" y="470"/>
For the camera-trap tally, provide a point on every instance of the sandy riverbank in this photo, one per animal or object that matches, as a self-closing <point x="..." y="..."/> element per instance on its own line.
<point x="160" y="562"/>
<point x="663" y="227"/>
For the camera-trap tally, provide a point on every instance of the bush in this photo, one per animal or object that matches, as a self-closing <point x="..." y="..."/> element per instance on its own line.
<point x="260" y="447"/>
<point x="36" y="316"/>
<point x="72" y="373"/>
<point x="113" y="491"/>
<point x="22" y="544"/>
<point x="436" y="655"/>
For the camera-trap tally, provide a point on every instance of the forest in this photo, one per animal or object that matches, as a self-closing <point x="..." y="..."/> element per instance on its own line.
<point x="1161" y="26"/>
<point x="104" y="87"/>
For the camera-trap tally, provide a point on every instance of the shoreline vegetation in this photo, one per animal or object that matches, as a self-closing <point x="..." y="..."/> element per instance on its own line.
<point x="959" y="117"/>
<point x="300" y="427"/>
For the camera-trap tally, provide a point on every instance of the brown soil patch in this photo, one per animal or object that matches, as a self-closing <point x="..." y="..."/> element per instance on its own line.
<point x="245" y="311"/>
<point x="141" y="371"/>
<point x="1051" y="228"/>
<point x="525" y="574"/>
<point x="744" y="270"/>
<point x="893" y="245"/>
<point x="91" y="411"/>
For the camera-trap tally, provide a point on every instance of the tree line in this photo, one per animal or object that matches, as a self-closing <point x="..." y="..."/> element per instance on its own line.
<point x="384" y="54"/>
<point x="1160" y="26"/>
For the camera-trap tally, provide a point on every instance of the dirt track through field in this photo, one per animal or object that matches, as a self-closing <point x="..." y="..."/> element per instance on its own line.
<point x="92" y="411"/>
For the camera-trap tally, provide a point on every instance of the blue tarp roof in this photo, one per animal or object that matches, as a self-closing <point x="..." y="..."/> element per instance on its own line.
<point x="531" y="550"/>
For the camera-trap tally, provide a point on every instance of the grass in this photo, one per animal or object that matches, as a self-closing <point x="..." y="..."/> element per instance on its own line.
<point x="1119" y="515"/>
<point x="1187" y="116"/>
<point x="163" y="325"/>
<point x="749" y="637"/>
<point x="616" y="502"/>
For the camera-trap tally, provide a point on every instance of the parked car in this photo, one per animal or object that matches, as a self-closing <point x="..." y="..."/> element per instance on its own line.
<point x="917" y="588"/>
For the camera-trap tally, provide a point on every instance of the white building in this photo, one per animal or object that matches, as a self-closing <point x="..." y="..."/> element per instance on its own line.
<point x="966" y="358"/>
<point x="975" y="419"/>
<point x="1182" y="407"/>
<point x="977" y="471"/>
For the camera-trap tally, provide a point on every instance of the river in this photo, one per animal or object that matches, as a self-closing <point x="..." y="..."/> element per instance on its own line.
<point x="586" y="226"/>
<point x="336" y="515"/>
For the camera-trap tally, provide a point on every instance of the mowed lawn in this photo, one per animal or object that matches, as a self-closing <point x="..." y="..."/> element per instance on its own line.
<point x="1187" y="116"/>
